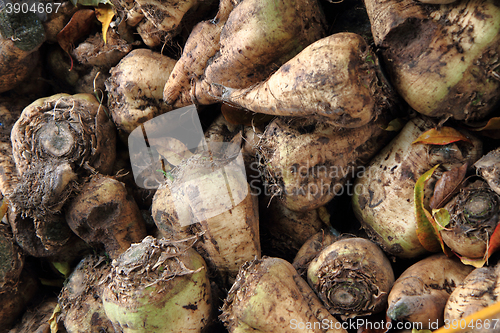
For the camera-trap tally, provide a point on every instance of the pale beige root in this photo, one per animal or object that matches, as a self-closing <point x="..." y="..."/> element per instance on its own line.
<point x="232" y="238"/>
<point x="78" y="113"/>
<point x="135" y="88"/>
<point x="15" y="296"/>
<point x="420" y="293"/>
<point x="226" y="241"/>
<point x="258" y="37"/>
<point x="352" y="277"/>
<point x="21" y="35"/>
<point x="150" y="35"/>
<point x="223" y="131"/>
<point x="105" y="216"/>
<point x="251" y="136"/>
<point x="269" y="296"/>
<point x="209" y="196"/>
<point x="474" y="216"/>
<point x="81" y="297"/>
<point x="240" y="116"/>
<point x="384" y="198"/>
<point x="287" y="230"/>
<point x="158" y="286"/>
<point x="312" y="247"/>
<point x="92" y="60"/>
<point x="443" y="60"/>
<point x="43" y="189"/>
<point x="488" y="167"/>
<point x="166" y="16"/>
<point x="37" y="318"/>
<point x="306" y="163"/>
<point x="7" y="168"/>
<point x="480" y="289"/>
<point x="166" y="215"/>
<point x="334" y="80"/>
<point x="202" y="44"/>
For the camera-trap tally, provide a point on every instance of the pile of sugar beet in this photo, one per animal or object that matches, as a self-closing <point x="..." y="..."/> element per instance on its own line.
<point x="355" y="186"/>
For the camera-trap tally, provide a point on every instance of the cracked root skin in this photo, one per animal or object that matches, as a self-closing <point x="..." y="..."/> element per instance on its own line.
<point x="421" y="292"/>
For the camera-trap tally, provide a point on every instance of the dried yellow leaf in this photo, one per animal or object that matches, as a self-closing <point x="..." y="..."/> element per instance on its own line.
<point x="53" y="319"/>
<point x="105" y="14"/>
